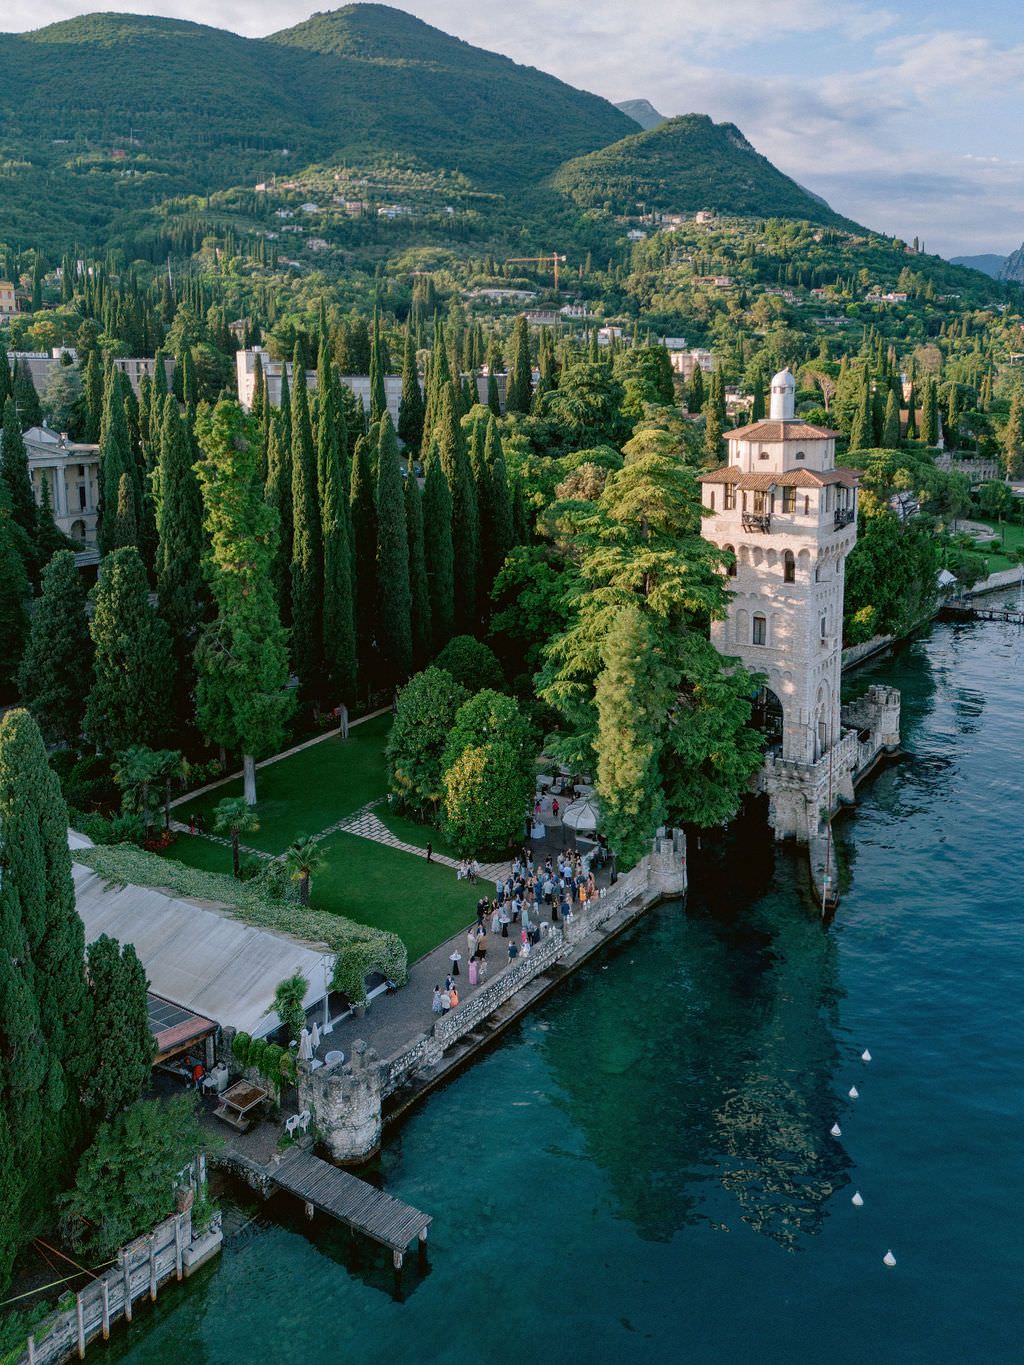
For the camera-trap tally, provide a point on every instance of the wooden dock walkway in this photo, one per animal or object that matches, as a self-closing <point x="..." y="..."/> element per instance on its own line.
<point x="354" y="1202"/>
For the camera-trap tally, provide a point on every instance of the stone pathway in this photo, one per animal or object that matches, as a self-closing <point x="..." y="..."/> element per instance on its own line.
<point x="366" y="825"/>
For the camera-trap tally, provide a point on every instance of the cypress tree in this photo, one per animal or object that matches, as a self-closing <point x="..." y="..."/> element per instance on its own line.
<point x="363" y="510"/>
<point x="259" y="408"/>
<point x="179" y="574"/>
<point x="126" y="523"/>
<point x="410" y="409"/>
<point x="520" y="516"/>
<point x="394" y="631"/>
<point x="438" y="550"/>
<point x="497" y="534"/>
<point x="44" y="1004"/>
<point x="712" y="433"/>
<point x="92" y="394"/>
<point x="14" y="592"/>
<point x="519" y="391"/>
<point x="123" y="1045"/>
<point x="242" y="696"/>
<point x="493" y="399"/>
<point x="861" y="431"/>
<point x="278" y="495"/>
<point x="891" y="423"/>
<point x="285" y="406"/>
<point x="378" y="398"/>
<point x="30" y="414"/>
<point x="132" y="666"/>
<point x="465" y="516"/>
<point x="930" y="413"/>
<point x="115" y="459"/>
<point x="440" y="379"/>
<point x="339" y="633"/>
<point x="58" y="653"/>
<point x="420" y="615"/>
<point x="14" y="467"/>
<point x="306" y="565"/>
<point x="912" y="414"/>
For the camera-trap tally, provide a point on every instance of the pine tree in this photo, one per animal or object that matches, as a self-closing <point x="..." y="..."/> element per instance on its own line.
<point x="420" y="614"/>
<point x="58" y="653"/>
<point x="132" y="666"/>
<point x="394" y="603"/>
<point x="242" y="695"/>
<point x="181" y="592"/>
<point x="14" y="467"/>
<point x="44" y="1005"/>
<point x="306" y="565"/>
<point x="891" y="423"/>
<point x="465" y="515"/>
<point x="410" y="409"/>
<point x="363" y="510"/>
<point x="439" y="553"/>
<point x="123" y="1044"/>
<point x="519" y="393"/>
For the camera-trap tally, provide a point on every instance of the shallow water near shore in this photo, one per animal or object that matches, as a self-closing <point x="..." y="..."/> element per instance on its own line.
<point x="643" y="1170"/>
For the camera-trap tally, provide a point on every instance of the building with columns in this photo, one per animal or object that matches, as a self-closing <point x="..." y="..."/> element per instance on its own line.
<point x="71" y="468"/>
<point x="787" y="515"/>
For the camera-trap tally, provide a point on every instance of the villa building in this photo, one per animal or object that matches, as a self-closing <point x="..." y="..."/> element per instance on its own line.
<point x="71" y="468"/>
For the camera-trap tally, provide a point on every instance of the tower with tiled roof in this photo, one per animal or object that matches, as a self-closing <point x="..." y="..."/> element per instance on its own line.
<point x="787" y="518"/>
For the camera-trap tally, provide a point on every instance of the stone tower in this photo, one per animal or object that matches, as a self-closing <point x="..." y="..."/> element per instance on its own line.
<point x="788" y="515"/>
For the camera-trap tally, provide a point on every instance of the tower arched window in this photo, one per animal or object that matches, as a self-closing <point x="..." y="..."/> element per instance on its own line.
<point x="731" y="570"/>
<point x="800" y="455"/>
<point x="711" y="504"/>
<point x="763" y="455"/>
<point x="759" y="629"/>
<point x="788" y="567"/>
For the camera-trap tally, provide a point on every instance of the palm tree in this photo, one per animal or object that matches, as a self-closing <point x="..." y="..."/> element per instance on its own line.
<point x="233" y="816"/>
<point x="303" y="860"/>
<point x="135" y="769"/>
<point x="289" y="995"/>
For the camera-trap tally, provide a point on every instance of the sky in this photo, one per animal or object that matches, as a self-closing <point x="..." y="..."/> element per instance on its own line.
<point x="904" y="116"/>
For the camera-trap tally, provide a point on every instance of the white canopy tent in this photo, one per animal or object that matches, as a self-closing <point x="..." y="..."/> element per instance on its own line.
<point x="199" y="956"/>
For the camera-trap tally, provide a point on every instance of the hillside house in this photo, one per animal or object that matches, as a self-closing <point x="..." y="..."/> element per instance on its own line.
<point x="8" y="299"/>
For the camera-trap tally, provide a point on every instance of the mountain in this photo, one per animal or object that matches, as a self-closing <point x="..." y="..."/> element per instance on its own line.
<point x="685" y="164"/>
<point x="988" y="264"/>
<point x="642" y="112"/>
<point x="115" y="112"/>
<point x="1013" y="267"/>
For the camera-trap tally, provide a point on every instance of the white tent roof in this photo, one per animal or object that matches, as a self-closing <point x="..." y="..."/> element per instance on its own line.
<point x="198" y="956"/>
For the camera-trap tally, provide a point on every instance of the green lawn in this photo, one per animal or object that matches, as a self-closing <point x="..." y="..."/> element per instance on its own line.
<point x="421" y="902"/>
<point x="199" y="853"/>
<point x="307" y="792"/>
<point x="1012" y="537"/>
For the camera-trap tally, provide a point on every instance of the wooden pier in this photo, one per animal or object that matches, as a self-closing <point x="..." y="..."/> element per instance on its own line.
<point x="359" y="1205"/>
<point x="965" y="610"/>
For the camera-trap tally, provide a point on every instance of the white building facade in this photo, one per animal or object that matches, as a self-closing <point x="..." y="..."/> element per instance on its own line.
<point x="788" y="515"/>
<point x="71" y="468"/>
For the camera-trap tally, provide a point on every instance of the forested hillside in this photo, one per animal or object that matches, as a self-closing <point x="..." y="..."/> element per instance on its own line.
<point x="109" y="114"/>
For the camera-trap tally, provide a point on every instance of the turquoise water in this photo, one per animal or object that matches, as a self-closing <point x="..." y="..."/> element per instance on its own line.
<point x="644" y="1171"/>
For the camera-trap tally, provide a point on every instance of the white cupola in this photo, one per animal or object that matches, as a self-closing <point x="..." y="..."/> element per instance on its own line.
<point x="783" y="407"/>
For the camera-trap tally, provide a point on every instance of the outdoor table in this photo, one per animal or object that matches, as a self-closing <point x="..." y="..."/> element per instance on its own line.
<point x="238" y="1102"/>
<point x="333" y="1057"/>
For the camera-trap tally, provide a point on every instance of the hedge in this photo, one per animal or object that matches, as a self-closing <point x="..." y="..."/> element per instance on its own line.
<point x="357" y="948"/>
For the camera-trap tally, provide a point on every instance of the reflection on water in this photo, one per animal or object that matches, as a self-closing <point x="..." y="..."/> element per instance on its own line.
<point x="709" y="1067"/>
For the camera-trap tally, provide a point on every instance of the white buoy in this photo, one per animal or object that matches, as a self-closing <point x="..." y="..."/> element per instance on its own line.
<point x="858" y="1200"/>
<point x="865" y="1056"/>
<point x="889" y="1259"/>
<point x="854" y="1093"/>
<point x="835" y="1130"/>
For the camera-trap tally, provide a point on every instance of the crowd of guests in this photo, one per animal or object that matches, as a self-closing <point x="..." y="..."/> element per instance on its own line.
<point x="525" y="904"/>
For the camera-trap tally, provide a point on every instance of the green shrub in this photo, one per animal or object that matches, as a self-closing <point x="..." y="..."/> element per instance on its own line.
<point x="240" y="1048"/>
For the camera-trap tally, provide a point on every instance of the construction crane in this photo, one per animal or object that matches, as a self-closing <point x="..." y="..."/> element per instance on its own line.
<point x="554" y="260"/>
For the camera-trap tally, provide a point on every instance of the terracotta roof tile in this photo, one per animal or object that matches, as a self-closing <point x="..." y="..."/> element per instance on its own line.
<point x="793" y="478"/>
<point x="769" y="431"/>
